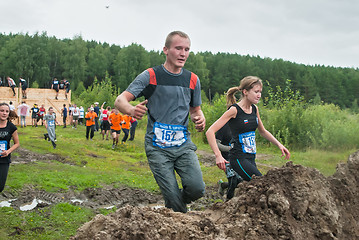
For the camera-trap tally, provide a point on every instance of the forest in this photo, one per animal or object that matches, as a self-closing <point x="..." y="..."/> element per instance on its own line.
<point x="39" y="57"/>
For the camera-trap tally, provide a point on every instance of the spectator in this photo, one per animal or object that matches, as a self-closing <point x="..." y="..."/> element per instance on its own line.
<point x="23" y="86"/>
<point x="75" y="116"/>
<point x="23" y="111"/>
<point x="64" y="115"/>
<point x="55" y="86"/>
<point x="34" y="114"/>
<point x="82" y="115"/>
<point x="133" y="129"/>
<point x="42" y="112"/>
<point x="97" y="111"/>
<point x="12" y="107"/>
<point x="11" y="83"/>
<point x="71" y="109"/>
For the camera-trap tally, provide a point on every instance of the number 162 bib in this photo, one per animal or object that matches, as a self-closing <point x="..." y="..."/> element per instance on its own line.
<point x="167" y="135"/>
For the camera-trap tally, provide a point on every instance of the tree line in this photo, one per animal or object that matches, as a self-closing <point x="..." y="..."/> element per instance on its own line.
<point x="39" y="57"/>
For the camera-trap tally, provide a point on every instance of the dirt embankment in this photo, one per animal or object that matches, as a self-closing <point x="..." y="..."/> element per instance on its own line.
<point x="292" y="202"/>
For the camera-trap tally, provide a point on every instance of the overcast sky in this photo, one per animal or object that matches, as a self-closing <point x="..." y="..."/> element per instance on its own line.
<point x="324" y="32"/>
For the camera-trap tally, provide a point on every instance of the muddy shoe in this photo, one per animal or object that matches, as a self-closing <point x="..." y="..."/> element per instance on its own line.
<point x="113" y="146"/>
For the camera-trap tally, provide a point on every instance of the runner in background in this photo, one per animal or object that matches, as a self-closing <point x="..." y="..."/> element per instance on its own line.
<point x="105" y="124"/>
<point x="23" y="86"/>
<point x="126" y="123"/>
<point x="42" y="112"/>
<point x="8" y="131"/>
<point x="55" y="86"/>
<point x="115" y="120"/>
<point x="133" y="129"/>
<point x="11" y="84"/>
<point x="90" y="123"/>
<point x="50" y="125"/>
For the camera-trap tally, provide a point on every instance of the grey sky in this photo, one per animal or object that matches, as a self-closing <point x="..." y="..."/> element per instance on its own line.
<point x="323" y="32"/>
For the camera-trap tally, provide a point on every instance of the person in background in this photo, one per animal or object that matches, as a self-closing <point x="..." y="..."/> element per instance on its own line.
<point x="12" y="107"/>
<point x="23" y="86"/>
<point x="34" y="115"/>
<point x="50" y="123"/>
<point x="11" y="84"/>
<point x="42" y="112"/>
<point x="133" y="129"/>
<point x="64" y="115"/>
<point x="223" y="139"/>
<point x="82" y="115"/>
<point x="8" y="131"/>
<point x="243" y="119"/>
<point x="75" y="116"/>
<point x="115" y="120"/>
<point x="126" y="123"/>
<point x="67" y="87"/>
<point x="71" y="109"/>
<point x="168" y="145"/>
<point x="23" y="111"/>
<point x="105" y="124"/>
<point x="90" y="123"/>
<point x="97" y="111"/>
<point x="55" y="86"/>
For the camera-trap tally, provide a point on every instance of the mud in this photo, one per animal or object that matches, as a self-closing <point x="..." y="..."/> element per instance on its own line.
<point x="291" y="202"/>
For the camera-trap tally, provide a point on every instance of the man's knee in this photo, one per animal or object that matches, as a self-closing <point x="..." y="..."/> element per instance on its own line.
<point x="193" y="192"/>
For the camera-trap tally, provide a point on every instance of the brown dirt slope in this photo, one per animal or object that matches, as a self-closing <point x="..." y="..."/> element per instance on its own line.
<point x="292" y="202"/>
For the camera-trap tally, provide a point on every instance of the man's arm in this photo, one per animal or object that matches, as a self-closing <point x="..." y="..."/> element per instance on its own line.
<point x="198" y="118"/>
<point x="122" y="103"/>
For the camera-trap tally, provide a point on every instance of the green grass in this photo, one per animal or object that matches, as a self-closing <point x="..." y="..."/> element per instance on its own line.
<point x="82" y="164"/>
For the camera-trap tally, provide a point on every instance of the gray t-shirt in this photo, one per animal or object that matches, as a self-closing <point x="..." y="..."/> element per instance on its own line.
<point x="170" y="101"/>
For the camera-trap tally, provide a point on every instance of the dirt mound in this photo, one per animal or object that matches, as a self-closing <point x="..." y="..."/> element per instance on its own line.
<point x="292" y="202"/>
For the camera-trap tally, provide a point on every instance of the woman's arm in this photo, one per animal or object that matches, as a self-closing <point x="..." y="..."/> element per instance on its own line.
<point x="15" y="138"/>
<point x="210" y="134"/>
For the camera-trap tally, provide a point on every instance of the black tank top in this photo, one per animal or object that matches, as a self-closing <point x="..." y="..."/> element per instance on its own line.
<point x="242" y="128"/>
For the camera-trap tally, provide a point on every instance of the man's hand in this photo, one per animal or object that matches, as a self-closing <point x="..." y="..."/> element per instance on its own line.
<point x="200" y="122"/>
<point x="139" y="110"/>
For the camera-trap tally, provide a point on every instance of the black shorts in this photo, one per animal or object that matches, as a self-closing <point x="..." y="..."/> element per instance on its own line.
<point x="105" y="125"/>
<point x="23" y="87"/>
<point x="116" y="131"/>
<point x="56" y="88"/>
<point x="67" y="90"/>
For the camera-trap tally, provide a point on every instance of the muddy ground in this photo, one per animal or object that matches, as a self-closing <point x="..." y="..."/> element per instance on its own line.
<point x="96" y="198"/>
<point x="291" y="202"/>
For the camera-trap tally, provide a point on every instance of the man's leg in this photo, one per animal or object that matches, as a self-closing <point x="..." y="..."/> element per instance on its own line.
<point x="92" y="131"/>
<point x="188" y="168"/>
<point x="162" y="167"/>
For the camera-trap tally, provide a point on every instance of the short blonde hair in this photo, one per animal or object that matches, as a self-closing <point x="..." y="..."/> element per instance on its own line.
<point x="172" y="34"/>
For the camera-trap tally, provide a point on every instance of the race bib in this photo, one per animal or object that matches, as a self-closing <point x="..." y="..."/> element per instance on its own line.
<point x="248" y="142"/>
<point x="167" y="135"/>
<point x="51" y="123"/>
<point x="3" y="145"/>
